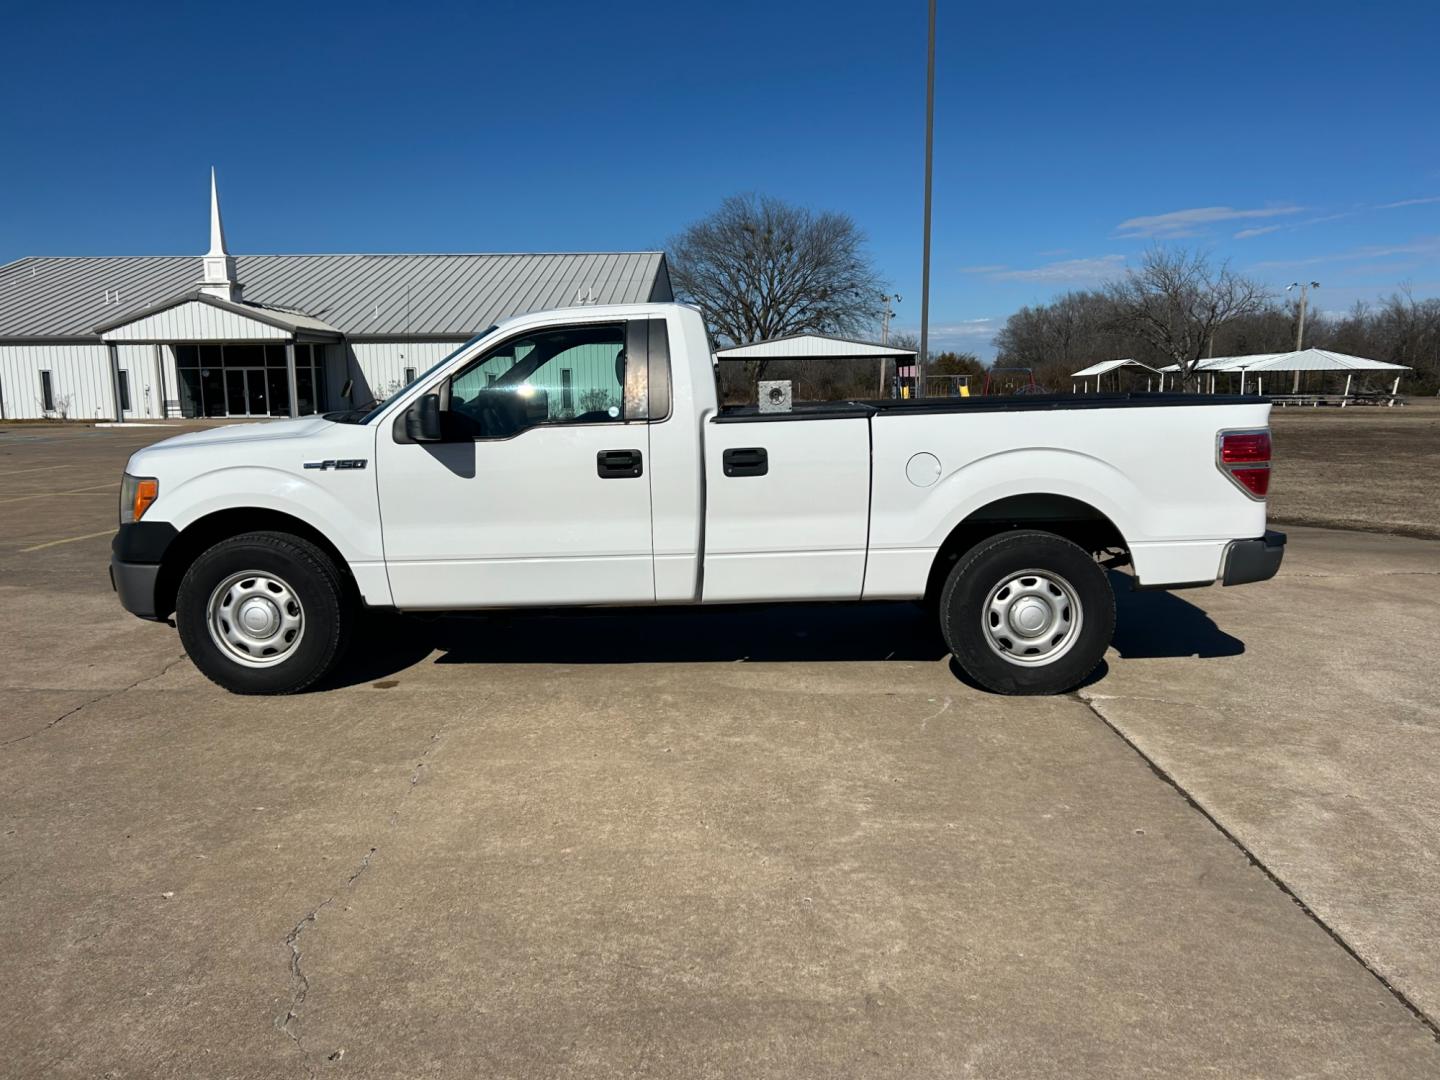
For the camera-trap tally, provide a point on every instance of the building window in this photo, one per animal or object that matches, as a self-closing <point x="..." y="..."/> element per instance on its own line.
<point x="47" y="392"/>
<point x="246" y="379"/>
<point x="409" y="375"/>
<point x="124" y="390"/>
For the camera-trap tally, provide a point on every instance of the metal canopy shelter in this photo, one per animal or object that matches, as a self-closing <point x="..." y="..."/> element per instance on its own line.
<point x="1299" y="361"/>
<point x="1105" y="367"/>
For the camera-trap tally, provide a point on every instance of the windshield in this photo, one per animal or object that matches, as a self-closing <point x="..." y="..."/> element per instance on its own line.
<point x="378" y="405"/>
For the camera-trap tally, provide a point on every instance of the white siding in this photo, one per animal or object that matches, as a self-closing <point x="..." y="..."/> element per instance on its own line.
<point x="383" y="363"/>
<point x="145" y="395"/>
<point x="80" y="376"/>
<point x="194" y="321"/>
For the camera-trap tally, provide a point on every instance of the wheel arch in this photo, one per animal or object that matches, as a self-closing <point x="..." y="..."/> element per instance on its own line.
<point x="1064" y="515"/>
<point x="205" y="532"/>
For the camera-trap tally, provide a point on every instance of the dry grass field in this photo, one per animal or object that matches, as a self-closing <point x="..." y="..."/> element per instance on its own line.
<point x="1375" y="469"/>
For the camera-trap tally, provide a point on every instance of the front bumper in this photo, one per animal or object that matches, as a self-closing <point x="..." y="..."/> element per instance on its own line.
<point x="1253" y="560"/>
<point x="135" y="557"/>
<point x="134" y="583"/>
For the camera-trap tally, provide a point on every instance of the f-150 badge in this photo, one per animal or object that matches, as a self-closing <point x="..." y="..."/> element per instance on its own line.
<point x="338" y="463"/>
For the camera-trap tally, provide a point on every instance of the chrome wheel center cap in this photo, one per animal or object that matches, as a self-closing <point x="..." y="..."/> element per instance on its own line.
<point x="1029" y="616"/>
<point x="259" y="617"/>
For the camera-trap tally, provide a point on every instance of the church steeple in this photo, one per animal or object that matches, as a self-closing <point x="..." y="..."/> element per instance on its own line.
<point x="219" y="264"/>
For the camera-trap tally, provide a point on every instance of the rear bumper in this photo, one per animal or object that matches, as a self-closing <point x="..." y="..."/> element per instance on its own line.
<point x="1253" y="560"/>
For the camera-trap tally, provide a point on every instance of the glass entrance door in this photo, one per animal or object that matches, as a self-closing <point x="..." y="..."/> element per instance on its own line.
<point x="245" y="392"/>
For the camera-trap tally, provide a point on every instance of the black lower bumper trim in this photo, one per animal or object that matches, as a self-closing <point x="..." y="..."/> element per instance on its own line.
<point x="143" y="541"/>
<point x="135" y="585"/>
<point x="1254" y="560"/>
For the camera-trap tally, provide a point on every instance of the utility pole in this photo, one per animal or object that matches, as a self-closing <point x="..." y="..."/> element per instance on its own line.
<point x="886" y="314"/>
<point x="929" y="170"/>
<point x="1304" y="287"/>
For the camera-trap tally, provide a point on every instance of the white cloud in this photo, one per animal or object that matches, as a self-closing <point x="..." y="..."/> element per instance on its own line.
<point x="1093" y="269"/>
<point x="1181" y="223"/>
<point x="967" y="335"/>
<point x="967" y="328"/>
<point x="1409" y="202"/>
<point x="1428" y="246"/>
<point x="1260" y="230"/>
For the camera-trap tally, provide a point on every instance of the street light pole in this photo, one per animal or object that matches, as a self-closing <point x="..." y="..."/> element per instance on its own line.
<point x="920" y="361"/>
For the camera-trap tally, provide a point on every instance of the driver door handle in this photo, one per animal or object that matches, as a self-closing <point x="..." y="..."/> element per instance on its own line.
<point x="619" y="464"/>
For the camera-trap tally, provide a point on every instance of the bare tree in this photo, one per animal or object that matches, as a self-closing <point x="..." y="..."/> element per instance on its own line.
<point x="1175" y="302"/>
<point x="760" y="268"/>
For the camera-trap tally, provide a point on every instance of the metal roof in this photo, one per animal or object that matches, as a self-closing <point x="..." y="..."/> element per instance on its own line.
<point x="810" y="346"/>
<point x="361" y="295"/>
<point x="1104" y="367"/>
<point x="1304" y="360"/>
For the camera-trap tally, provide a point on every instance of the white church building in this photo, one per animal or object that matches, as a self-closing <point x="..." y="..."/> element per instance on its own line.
<point x="137" y="337"/>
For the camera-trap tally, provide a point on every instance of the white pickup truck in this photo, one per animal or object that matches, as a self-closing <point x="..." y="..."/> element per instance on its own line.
<point x="580" y="457"/>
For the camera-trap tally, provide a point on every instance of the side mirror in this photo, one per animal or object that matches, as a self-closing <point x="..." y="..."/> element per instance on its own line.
<point x="422" y="420"/>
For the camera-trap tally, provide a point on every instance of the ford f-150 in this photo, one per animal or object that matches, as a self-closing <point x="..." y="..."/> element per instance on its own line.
<point x="580" y="457"/>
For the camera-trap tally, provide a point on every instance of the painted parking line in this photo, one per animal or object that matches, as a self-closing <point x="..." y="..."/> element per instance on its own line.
<point x="67" y="540"/>
<point x="72" y="491"/>
<point x="42" y="468"/>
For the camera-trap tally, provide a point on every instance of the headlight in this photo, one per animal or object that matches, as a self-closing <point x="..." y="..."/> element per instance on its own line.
<point x="136" y="495"/>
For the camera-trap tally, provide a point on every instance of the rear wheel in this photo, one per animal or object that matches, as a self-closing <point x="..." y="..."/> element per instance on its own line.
<point x="264" y="613"/>
<point x="1027" y="612"/>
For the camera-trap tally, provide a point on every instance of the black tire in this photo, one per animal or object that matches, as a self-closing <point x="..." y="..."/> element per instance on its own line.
<point x="1078" y="633"/>
<point x="325" y="603"/>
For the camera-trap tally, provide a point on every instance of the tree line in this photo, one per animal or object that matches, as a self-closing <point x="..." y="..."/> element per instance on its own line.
<point x="1176" y="309"/>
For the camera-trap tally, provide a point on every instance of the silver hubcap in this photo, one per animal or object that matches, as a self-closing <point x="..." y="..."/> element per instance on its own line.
<point x="256" y="618"/>
<point x="1032" y="618"/>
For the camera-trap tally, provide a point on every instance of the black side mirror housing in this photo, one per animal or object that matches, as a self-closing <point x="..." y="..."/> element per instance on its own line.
<point x="422" y="420"/>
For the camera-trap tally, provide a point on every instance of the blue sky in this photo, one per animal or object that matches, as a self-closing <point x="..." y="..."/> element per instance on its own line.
<point x="1296" y="142"/>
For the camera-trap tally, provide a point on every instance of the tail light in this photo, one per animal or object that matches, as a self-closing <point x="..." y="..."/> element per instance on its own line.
<point x="1244" y="456"/>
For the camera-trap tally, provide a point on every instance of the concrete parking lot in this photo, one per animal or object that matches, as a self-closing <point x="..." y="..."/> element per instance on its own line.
<point x="779" y="842"/>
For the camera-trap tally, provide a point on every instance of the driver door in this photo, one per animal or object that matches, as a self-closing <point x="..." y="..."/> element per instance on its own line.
<point x="538" y="493"/>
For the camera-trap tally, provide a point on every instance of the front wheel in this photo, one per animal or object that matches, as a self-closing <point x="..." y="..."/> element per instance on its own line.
<point x="264" y="613"/>
<point x="1027" y="612"/>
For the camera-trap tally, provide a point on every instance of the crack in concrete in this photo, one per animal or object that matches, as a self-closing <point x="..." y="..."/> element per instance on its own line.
<point x="289" y="1024"/>
<point x="924" y="722"/>
<point x="414" y="778"/>
<point x="1092" y="703"/>
<point x="107" y="695"/>
<point x="298" y="978"/>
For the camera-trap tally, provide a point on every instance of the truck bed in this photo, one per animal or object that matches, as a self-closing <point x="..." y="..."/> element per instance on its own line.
<point x="831" y="410"/>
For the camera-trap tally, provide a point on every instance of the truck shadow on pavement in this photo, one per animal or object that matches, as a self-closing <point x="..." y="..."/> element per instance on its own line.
<point x="1149" y="625"/>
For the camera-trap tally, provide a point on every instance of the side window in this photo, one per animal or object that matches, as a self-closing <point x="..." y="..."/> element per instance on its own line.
<point x="565" y="375"/>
